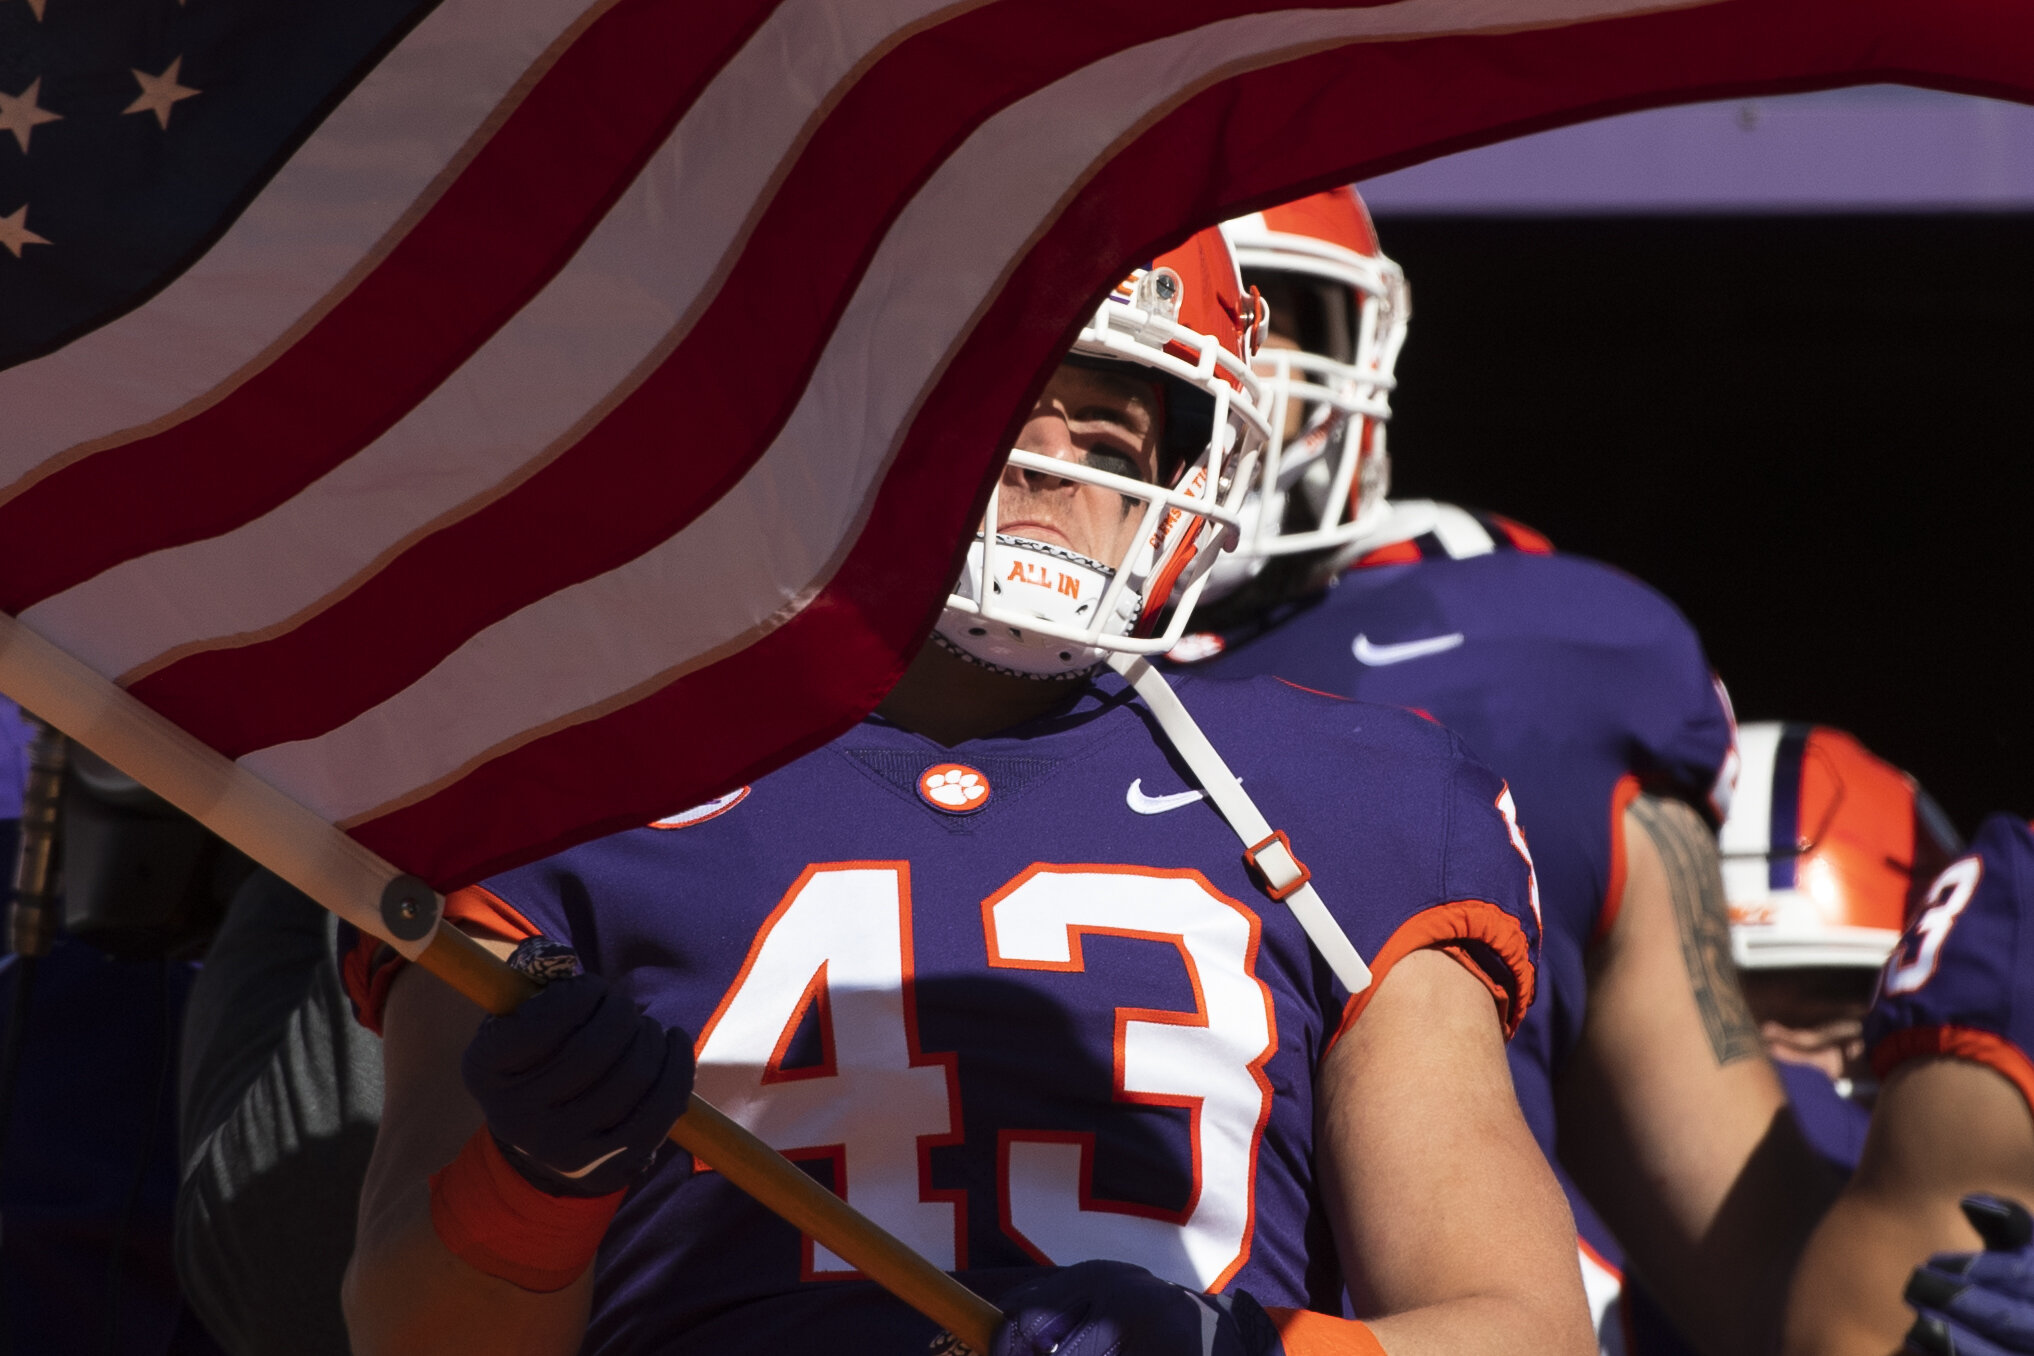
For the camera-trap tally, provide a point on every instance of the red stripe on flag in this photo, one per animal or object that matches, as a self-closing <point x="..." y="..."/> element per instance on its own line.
<point x="730" y="723"/>
<point x="814" y="676"/>
<point x="1417" y="101"/>
<point x="502" y="229"/>
<point x="685" y="436"/>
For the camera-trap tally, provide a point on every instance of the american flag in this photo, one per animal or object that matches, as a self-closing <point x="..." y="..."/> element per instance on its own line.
<point x="496" y="422"/>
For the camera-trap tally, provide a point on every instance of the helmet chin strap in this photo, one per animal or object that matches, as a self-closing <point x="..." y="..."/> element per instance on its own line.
<point x="1267" y="851"/>
<point x="1068" y="676"/>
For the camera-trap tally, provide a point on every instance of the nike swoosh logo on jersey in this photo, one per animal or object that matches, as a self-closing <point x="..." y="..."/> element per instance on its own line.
<point x="1157" y="805"/>
<point x="1376" y="655"/>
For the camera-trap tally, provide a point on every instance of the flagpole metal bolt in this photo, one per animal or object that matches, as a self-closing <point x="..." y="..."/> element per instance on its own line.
<point x="409" y="908"/>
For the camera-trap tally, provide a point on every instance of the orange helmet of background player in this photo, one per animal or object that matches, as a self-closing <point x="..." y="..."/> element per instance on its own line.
<point x="1344" y="305"/>
<point x="1825" y="851"/>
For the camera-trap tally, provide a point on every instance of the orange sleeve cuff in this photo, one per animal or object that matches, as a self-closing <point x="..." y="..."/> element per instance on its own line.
<point x="487" y="913"/>
<point x="492" y="1218"/>
<point x="1957" y="1042"/>
<point x="372" y="965"/>
<point x="1306" y="1333"/>
<point x="1476" y="933"/>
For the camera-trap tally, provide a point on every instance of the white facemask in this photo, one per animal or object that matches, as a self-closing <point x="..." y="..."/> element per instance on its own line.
<point x="1029" y="608"/>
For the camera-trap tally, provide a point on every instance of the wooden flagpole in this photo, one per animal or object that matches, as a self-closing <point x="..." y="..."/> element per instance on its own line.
<point x="353" y="882"/>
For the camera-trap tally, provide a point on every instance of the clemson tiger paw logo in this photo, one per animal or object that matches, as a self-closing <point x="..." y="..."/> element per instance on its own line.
<point x="954" y="787"/>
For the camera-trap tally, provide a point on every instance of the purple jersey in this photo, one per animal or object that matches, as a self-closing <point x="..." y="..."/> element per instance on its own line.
<point x="1961" y="982"/>
<point x="1018" y="999"/>
<point x="1833" y="1124"/>
<point x="1576" y="682"/>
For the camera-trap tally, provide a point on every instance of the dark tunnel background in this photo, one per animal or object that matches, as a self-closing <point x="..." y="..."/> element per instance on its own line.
<point x="1811" y="432"/>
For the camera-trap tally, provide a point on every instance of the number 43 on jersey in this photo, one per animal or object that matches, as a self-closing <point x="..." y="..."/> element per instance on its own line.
<point x="839" y="948"/>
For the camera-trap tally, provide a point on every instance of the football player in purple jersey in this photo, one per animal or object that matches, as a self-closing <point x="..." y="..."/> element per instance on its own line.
<point x="1591" y="695"/>
<point x="1951" y="1035"/>
<point x="1826" y="852"/>
<point x="1025" y="969"/>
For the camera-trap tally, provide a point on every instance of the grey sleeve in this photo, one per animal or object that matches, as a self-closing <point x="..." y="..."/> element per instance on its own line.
<point x="279" y="1097"/>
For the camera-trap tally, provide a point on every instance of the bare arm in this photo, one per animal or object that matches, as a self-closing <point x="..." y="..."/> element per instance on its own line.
<point x="1943" y="1128"/>
<point x="1672" y="1119"/>
<point x="1446" y="1216"/>
<point x="405" y="1293"/>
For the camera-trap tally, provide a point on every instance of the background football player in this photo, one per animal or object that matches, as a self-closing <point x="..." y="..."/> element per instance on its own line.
<point x="1017" y="1021"/>
<point x="1950" y="1038"/>
<point x="1826" y="851"/>
<point x="1825" y="854"/>
<point x="1591" y="695"/>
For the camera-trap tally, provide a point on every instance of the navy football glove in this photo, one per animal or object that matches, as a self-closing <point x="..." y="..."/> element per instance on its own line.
<point x="578" y="1086"/>
<point x="1978" y="1303"/>
<point x="1117" y="1309"/>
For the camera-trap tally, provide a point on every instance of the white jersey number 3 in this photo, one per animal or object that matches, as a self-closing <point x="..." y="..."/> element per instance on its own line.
<point x="1210" y="1061"/>
<point x="1912" y="966"/>
<point x="841" y="940"/>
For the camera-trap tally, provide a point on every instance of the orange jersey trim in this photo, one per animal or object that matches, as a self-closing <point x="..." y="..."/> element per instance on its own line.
<point x="1302" y="687"/>
<point x="1522" y="537"/>
<point x="487" y="913"/>
<point x="1996" y="1053"/>
<point x="1621" y="796"/>
<point x="1397" y="553"/>
<point x="1305" y="1333"/>
<point x="1590" y="1251"/>
<point x="372" y="965"/>
<point x="1451" y="928"/>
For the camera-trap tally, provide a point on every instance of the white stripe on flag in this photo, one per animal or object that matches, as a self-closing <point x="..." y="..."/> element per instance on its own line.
<point x="761" y="552"/>
<point x="574" y="349"/>
<point x="318" y="219"/>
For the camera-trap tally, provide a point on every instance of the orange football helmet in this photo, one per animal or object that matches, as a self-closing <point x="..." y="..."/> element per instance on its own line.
<point x="1339" y="309"/>
<point x="1042" y="611"/>
<point x="1826" y="849"/>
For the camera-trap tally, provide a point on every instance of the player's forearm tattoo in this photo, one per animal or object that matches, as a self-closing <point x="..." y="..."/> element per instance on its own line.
<point x="1695" y="885"/>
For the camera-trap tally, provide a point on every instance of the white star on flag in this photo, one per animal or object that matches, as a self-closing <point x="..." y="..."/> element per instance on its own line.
<point x="14" y="232"/>
<point x="159" y="93"/>
<point x="19" y="114"/>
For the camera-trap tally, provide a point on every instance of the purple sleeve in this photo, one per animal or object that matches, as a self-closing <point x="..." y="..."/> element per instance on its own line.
<point x="1488" y="863"/>
<point x="1682" y="744"/>
<point x="1961" y="982"/>
<point x="1485" y="910"/>
<point x="1686" y="732"/>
